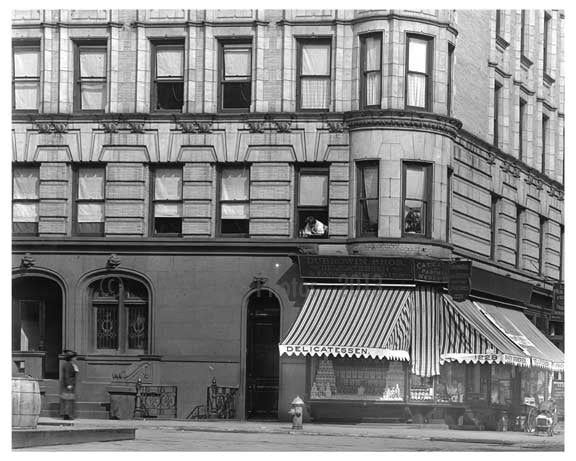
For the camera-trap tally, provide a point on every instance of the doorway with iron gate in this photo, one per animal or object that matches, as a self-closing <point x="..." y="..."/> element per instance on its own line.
<point x="262" y="357"/>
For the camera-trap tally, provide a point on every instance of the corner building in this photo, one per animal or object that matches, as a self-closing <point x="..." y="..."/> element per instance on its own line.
<point x="165" y="163"/>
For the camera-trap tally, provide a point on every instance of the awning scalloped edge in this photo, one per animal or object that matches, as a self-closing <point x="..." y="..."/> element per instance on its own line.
<point x="486" y="358"/>
<point x="343" y="351"/>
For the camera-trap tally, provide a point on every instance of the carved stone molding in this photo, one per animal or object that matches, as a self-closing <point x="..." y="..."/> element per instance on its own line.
<point x="335" y="126"/>
<point x="110" y="126"/>
<point x="27" y="261"/>
<point x="51" y="126"/>
<point x="135" y="126"/>
<point x="204" y="126"/>
<point x="133" y="373"/>
<point x="255" y="126"/>
<point x="113" y="261"/>
<point x="283" y="126"/>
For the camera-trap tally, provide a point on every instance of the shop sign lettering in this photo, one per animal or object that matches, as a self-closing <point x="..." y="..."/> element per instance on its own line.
<point x="355" y="269"/>
<point x="328" y="350"/>
<point x="459" y="280"/>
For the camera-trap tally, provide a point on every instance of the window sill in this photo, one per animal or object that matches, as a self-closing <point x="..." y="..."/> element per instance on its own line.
<point x="548" y="80"/>
<point x="527" y="63"/>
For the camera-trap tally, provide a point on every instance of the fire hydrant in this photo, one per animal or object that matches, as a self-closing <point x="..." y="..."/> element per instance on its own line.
<point x="296" y="412"/>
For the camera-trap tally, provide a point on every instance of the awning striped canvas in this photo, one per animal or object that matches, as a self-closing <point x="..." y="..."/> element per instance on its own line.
<point x="526" y="335"/>
<point x="424" y="330"/>
<point x="352" y="321"/>
<point x="487" y="344"/>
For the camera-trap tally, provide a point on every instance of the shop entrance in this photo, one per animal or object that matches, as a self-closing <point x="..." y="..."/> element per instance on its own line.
<point x="36" y="326"/>
<point x="262" y="358"/>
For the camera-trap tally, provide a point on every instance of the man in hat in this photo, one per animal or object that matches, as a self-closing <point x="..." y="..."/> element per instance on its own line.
<point x="68" y="389"/>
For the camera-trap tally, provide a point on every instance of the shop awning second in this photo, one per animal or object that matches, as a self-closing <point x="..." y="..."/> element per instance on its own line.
<point x="352" y="321"/>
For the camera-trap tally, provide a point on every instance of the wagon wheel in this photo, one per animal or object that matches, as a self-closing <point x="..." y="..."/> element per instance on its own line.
<point x="530" y="423"/>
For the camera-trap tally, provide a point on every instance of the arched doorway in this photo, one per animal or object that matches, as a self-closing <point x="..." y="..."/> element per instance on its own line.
<point x="37" y="325"/>
<point x="262" y="357"/>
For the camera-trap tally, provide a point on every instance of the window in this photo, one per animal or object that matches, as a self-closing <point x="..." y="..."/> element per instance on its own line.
<point x="367" y="207"/>
<point x="312" y="203"/>
<point x="120" y="315"/>
<point x="167" y="202"/>
<point x="561" y="275"/>
<point x="546" y="50"/>
<point x="523" y="32"/>
<point x="371" y="70"/>
<point x="25" y="200"/>
<point x="521" y="128"/>
<point x="235" y="201"/>
<point x="90" y="70"/>
<point x="168" y="76"/>
<point x="236" y="76"/>
<point x="418" y="73"/>
<point x="497" y="91"/>
<point x="449" y="203"/>
<point x="542" y="246"/>
<point x="499" y="23"/>
<point x="519" y="226"/>
<point x="544" y="133"/>
<point x="26" y="77"/>
<point x="416" y="199"/>
<point x="314" y="74"/>
<point x="495" y="199"/>
<point x="89" y="211"/>
<point x="450" y="89"/>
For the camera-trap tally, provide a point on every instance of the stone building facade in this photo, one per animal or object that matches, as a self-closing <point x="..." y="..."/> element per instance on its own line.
<point x="182" y="150"/>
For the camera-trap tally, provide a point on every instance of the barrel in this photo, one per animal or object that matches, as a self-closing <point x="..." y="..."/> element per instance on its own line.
<point x="26" y="402"/>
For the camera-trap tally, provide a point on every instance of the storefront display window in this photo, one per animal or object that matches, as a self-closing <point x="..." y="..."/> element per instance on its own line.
<point x="451" y="383"/>
<point x="421" y="388"/>
<point x="502" y="383"/>
<point x="534" y="385"/>
<point x="357" y="379"/>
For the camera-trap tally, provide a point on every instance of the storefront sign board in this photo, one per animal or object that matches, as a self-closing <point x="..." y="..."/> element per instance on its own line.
<point x="459" y="280"/>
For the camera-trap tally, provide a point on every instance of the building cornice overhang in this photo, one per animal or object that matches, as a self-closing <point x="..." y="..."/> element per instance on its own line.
<point x="402" y="120"/>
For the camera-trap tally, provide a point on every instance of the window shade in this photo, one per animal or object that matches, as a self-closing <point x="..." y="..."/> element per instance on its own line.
<point x="26" y="95"/>
<point x="370" y="182"/>
<point x="168" y="184"/>
<point x="314" y="93"/>
<point x="26" y="184"/>
<point x="373" y="53"/>
<point x="26" y="63"/>
<point x="91" y="184"/>
<point x="93" y="63"/>
<point x="315" y="59"/>
<point x="237" y="63"/>
<point x="415" y="183"/>
<point x="417" y="58"/>
<point x="167" y="210"/>
<point x="235" y="184"/>
<point x="235" y="211"/>
<point x="93" y="96"/>
<point x="313" y="190"/>
<point x="169" y="62"/>
<point x="90" y="212"/>
<point x="25" y="212"/>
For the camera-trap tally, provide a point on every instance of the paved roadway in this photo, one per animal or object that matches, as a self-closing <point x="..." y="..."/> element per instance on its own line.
<point x="172" y="439"/>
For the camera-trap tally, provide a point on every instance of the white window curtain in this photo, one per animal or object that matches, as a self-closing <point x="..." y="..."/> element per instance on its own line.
<point x="315" y="93"/>
<point x="235" y="184"/>
<point x="25" y="212"/>
<point x="91" y="184"/>
<point x="313" y="190"/>
<point x="93" y="63"/>
<point x="370" y="176"/>
<point x="93" y="96"/>
<point x="415" y="183"/>
<point x="315" y="59"/>
<point x="169" y="62"/>
<point x="373" y="86"/>
<point x="237" y="63"/>
<point x="373" y="53"/>
<point x="90" y="212"/>
<point x="373" y="70"/>
<point x="168" y="184"/>
<point x="417" y="90"/>
<point x="26" y="184"/>
<point x="26" y="95"/>
<point x="26" y="62"/>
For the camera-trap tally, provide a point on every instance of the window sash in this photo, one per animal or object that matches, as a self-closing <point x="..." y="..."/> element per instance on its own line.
<point x="169" y="62"/>
<point x="415" y="216"/>
<point x="417" y="90"/>
<point x="372" y="88"/>
<point x="167" y="210"/>
<point x="314" y="93"/>
<point x="107" y="326"/>
<point x="26" y="183"/>
<point x="91" y="183"/>
<point x="92" y="63"/>
<point x="168" y="184"/>
<point x="368" y="181"/>
<point x="25" y="212"/>
<point x="232" y="210"/>
<point x="237" y="63"/>
<point x="418" y="55"/>
<point x="416" y="199"/>
<point x="90" y="212"/>
<point x="234" y="184"/>
<point x="315" y="59"/>
<point x="26" y="62"/>
<point x="26" y="95"/>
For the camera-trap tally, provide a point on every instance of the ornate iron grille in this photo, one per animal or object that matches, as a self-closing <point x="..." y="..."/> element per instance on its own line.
<point x="137" y="326"/>
<point x="155" y="401"/>
<point x="220" y="403"/>
<point x="107" y="327"/>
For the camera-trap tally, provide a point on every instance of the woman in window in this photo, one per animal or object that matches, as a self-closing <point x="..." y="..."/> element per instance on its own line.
<point x="314" y="228"/>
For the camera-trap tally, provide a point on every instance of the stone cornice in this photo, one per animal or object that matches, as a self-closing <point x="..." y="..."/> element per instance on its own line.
<point x="403" y="120"/>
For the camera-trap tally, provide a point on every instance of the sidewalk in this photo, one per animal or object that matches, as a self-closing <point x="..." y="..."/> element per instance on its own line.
<point x="393" y="431"/>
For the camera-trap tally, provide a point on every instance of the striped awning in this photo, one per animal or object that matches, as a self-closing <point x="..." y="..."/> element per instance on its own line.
<point x="471" y="337"/>
<point x="516" y="326"/>
<point x="352" y="321"/>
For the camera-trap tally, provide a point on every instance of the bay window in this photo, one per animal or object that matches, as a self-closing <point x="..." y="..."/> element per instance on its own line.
<point x="25" y="200"/>
<point x="371" y="70"/>
<point x="314" y="74"/>
<point x="416" y="199"/>
<point x="367" y="206"/>
<point x="234" y="201"/>
<point x="418" y="72"/>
